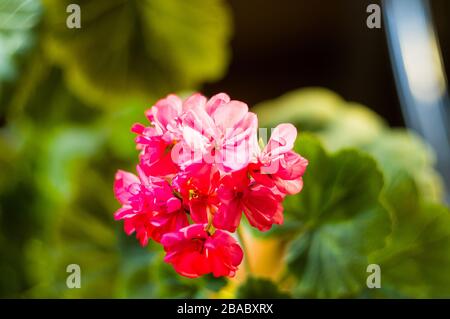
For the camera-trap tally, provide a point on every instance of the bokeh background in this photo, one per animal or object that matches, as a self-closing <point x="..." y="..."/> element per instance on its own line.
<point x="68" y="98"/>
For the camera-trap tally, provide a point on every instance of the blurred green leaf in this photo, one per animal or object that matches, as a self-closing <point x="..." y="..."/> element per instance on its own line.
<point x="117" y="125"/>
<point x="416" y="260"/>
<point x="309" y="109"/>
<point x="19" y="220"/>
<point x="83" y="231"/>
<point x="398" y="150"/>
<point x="260" y="288"/>
<point x="342" y="221"/>
<point x="128" y="50"/>
<point x="60" y="155"/>
<point x="65" y="150"/>
<point x="325" y="113"/>
<point x="215" y="283"/>
<point x="17" y="20"/>
<point x="340" y="124"/>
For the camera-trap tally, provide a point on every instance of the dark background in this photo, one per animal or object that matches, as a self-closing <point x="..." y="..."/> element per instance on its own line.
<point x="283" y="45"/>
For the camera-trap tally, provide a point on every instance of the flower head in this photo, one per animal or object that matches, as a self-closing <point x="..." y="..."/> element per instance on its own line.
<point x="199" y="162"/>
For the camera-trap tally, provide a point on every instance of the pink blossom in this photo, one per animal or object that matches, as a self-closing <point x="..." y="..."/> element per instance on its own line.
<point x="260" y="204"/>
<point x="278" y="165"/>
<point x="155" y="158"/>
<point x="218" y="131"/>
<point x="197" y="186"/>
<point x="193" y="252"/>
<point x="156" y="141"/>
<point x="148" y="206"/>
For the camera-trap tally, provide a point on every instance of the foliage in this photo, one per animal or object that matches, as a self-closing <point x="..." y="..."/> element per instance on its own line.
<point x="418" y="250"/>
<point x="260" y="288"/>
<point x="138" y="49"/>
<point x="339" y="124"/>
<point x="346" y="193"/>
<point x="341" y="221"/>
<point x="18" y="19"/>
<point x="59" y="154"/>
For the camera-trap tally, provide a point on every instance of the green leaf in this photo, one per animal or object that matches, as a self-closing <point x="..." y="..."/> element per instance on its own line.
<point x="18" y="18"/>
<point x="117" y="124"/>
<point x="66" y="148"/>
<point x="398" y="150"/>
<point x="260" y="288"/>
<point x="215" y="283"/>
<point x="323" y="112"/>
<point x="342" y="221"/>
<point x="19" y="218"/>
<point x="416" y="260"/>
<point x="138" y="50"/>
<point x="339" y="124"/>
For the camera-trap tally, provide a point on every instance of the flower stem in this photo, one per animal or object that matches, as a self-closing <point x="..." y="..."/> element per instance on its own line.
<point x="209" y="228"/>
<point x="244" y="248"/>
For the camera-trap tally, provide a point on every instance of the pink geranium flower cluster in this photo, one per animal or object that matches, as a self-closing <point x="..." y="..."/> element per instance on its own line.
<point x="200" y="167"/>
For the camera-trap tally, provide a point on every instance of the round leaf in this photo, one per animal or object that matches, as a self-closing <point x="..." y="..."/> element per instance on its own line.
<point x="416" y="260"/>
<point x="128" y="50"/>
<point x="342" y="221"/>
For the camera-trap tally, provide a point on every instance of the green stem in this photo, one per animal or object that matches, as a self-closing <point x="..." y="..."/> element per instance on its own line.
<point x="209" y="228"/>
<point x="244" y="248"/>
